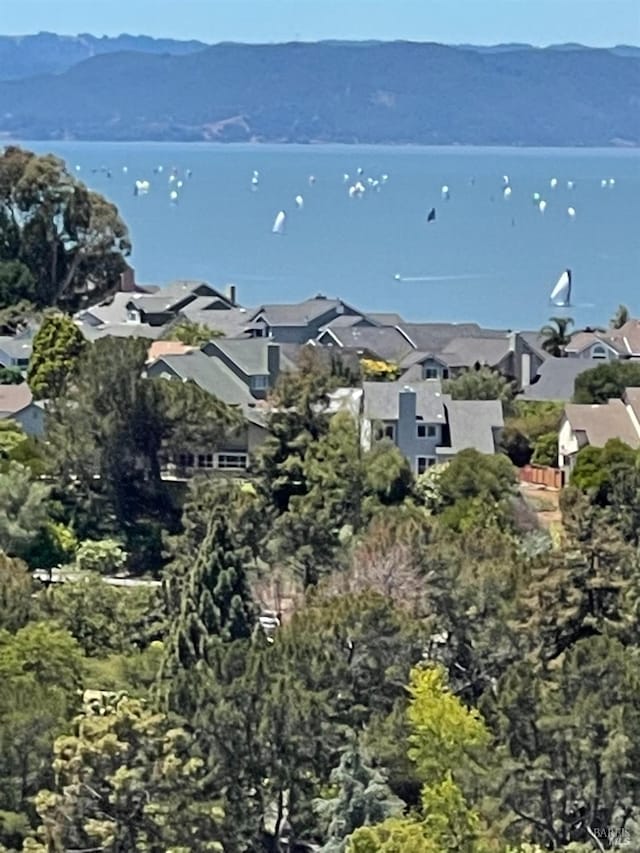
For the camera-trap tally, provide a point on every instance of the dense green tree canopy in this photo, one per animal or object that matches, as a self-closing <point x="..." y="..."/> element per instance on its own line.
<point x="62" y="244"/>
<point x="56" y="348"/>
<point x="606" y="382"/>
<point x="481" y="384"/>
<point x="113" y="430"/>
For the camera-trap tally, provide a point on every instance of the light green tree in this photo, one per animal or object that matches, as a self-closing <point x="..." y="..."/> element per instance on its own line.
<point x="126" y="780"/>
<point x="57" y="347"/>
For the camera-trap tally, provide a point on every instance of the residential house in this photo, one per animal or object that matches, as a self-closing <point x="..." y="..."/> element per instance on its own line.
<point x="367" y="340"/>
<point x="443" y="350"/>
<point x="15" y="350"/>
<point x="156" y="309"/>
<point x="595" y="425"/>
<point x="426" y="425"/>
<point x="595" y="345"/>
<point x="297" y="322"/>
<point x="17" y="403"/>
<point x="238" y="372"/>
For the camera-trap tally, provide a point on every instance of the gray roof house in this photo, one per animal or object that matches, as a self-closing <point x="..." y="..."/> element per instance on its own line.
<point x="427" y="426"/>
<point x="298" y="322"/>
<point x="157" y="308"/>
<point x="382" y="342"/>
<point x="17" y="403"/>
<point x="256" y="362"/>
<point x="453" y="348"/>
<point x="15" y="351"/>
<point x="596" y="424"/>
<point x="214" y="376"/>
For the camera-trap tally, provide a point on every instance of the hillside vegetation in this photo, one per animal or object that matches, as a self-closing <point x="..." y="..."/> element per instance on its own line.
<point x="395" y="93"/>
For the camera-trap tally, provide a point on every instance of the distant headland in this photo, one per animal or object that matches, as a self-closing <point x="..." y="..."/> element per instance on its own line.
<point x="134" y="88"/>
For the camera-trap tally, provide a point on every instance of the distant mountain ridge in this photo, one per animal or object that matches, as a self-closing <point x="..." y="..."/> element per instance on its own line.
<point x="49" y="53"/>
<point x="374" y="92"/>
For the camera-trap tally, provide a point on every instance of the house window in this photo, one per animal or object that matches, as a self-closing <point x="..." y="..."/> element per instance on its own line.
<point x="23" y="362"/>
<point x="185" y="460"/>
<point x="598" y="352"/>
<point x="232" y="461"/>
<point x="205" y="460"/>
<point x="259" y="383"/>
<point x="389" y="431"/>
<point x="422" y="430"/>
<point x="431" y="431"/>
<point x="431" y="373"/>
<point x="445" y="372"/>
<point x="424" y="462"/>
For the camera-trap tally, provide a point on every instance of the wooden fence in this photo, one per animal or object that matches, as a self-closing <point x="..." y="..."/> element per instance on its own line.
<point x="540" y="475"/>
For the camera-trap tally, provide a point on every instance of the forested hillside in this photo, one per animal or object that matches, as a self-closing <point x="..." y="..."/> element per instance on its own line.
<point x="397" y="92"/>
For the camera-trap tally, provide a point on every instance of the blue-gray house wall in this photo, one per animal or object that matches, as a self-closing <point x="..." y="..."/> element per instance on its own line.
<point x="407" y="440"/>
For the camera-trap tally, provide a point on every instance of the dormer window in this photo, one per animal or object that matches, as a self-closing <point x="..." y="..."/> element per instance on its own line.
<point x="598" y="351"/>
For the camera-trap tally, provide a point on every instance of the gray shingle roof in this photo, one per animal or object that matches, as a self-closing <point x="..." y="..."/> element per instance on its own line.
<point x="122" y="330"/>
<point x="385" y="341"/>
<point x="209" y="373"/>
<point x="16" y="347"/>
<point x="385" y="319"/>
<point x="250" y="355"/>
<point x="344" y="321"/>
<point x="232" y="321"/>
<point x="434" y="337"/>
<point x="603" y="422"/>
<point x="472" y="423"/>
<point x="556" y="378"/>
<point x="298" y="313"/>
<point x="381" y="400"/>
<point x="466" y="351"/>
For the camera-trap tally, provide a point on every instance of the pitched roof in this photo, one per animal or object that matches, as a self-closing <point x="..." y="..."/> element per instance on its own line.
<point x="385" y="318"/>
<point x="627" y="337"/>
<point x="601" y="422"/>
<point x="385" y="341"/>
<point x="556" y="378"/>
<point x="14" y="398"/>
<point x="534" y="340"/>
<point x="121" y="330"/>
<point x="632" y="398"/>
<point x="113" y="311"/>
<point x="472" y="423"/>
<point x="299" y="313"/>
<point x="250" y="354"/>
<point x="382" y="400"/>
<point x="585" y="338"/>
<point x="434" y="337"/>
<point x="466" y="351"/>
<point x="233" y="322"/>
<point x="160" y="348"/>
<point x="17" y="346"/>
<point x="344" y="321"/>
<point x="210" y="374"/>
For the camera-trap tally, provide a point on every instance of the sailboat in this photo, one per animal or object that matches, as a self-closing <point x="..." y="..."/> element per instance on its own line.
<point x="431" y="217"/>
<point x="279" y="223"/>
<point x="561" y="293"/>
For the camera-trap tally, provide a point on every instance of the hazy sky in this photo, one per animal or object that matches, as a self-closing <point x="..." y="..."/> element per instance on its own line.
<point x="596" y="22"/>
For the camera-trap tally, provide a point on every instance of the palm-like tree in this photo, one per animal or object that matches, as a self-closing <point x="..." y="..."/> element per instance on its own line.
<point x="556" y="335"/>
<point x="621" y="317"/>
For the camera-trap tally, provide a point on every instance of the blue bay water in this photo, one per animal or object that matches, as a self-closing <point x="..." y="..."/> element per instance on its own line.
<point x="485" y="259"/>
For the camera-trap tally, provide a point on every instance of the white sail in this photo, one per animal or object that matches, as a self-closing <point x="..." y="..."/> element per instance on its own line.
<point x="299" y="202"/>
<point x="561" y="293"/>
<point x="279" y="223"/>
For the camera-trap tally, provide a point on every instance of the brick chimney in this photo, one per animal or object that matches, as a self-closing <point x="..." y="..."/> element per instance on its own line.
<point x="128" y="280"/>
